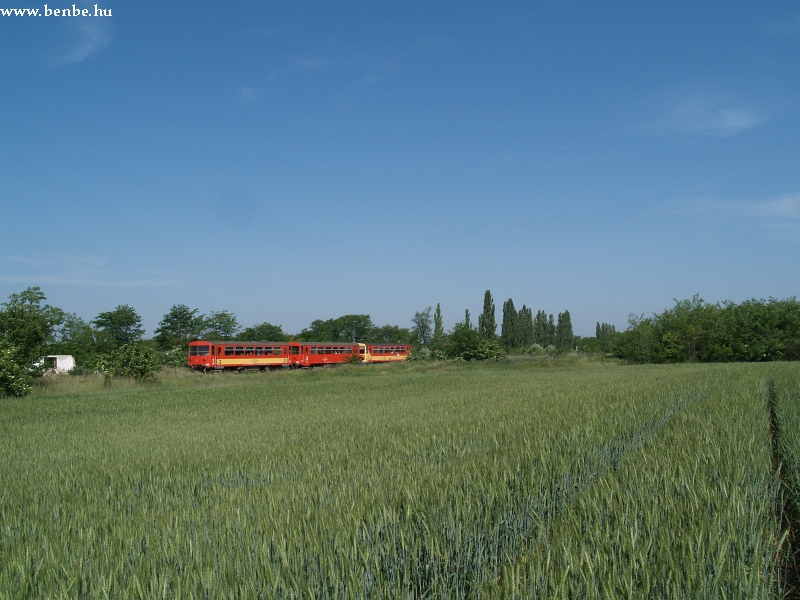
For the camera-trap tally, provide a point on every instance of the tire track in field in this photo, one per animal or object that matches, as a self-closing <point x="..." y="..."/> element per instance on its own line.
<point x="789" y="511"/>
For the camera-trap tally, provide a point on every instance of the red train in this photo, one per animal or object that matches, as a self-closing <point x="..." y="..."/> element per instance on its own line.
<point x="219" y="356"/>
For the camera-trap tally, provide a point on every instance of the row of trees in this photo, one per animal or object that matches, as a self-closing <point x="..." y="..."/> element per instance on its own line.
<point x="520" y="332"/>
<point x="113" y="342"/>
<point x="694" y="330"/>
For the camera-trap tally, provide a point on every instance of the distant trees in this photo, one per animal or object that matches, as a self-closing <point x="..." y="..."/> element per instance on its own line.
<point x="391" y="334"/>
<point x="510" y="330"/>
<point x="120" y="326"/>
<point x="423" y="328"/>
<point x="27" y="326"/>
<point x="179" y="326"/>
<point x="526" y="330"/>
<point x="347" y="328"/>
<point x="438" y="324"/>
<point x="694" y="330"/>
<point x="266" y="332"/>
<point x="565" y="339"/>
<point x="221" y="325"/>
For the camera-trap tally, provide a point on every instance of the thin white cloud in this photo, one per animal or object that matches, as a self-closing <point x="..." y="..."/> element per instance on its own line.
<point x="705" y="115"/>
<point x="780" y="216"/>
<point x="68" y="270"/>
<point x="89" y="36"/>
<point x="783" y="207"/>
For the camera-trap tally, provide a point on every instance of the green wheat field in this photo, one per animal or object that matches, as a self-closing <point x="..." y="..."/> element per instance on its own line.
<point x="526" y="479"/>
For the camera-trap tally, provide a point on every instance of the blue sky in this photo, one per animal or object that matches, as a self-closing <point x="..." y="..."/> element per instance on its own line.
<point x="292" y="161"/>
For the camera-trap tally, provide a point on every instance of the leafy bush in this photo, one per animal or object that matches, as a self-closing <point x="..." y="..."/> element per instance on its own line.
<point x="426" y="353"/>
<point x="467" y="344"/>
<point x="175" y="357"/>
<point x="134" y="360"/>
<point x="15" y="380"/>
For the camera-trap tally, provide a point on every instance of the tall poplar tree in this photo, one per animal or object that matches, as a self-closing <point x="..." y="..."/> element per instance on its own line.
<point x="564" y="336"/>
<point x="510" y="327"/>
<point x="438" y="326"/>
<point x="526" y="331"/>
<point x="487" y="325"/>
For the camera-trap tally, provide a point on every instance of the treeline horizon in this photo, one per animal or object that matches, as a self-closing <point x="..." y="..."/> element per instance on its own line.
<point x="693" y="330"/>
<point x="698" y="331"/>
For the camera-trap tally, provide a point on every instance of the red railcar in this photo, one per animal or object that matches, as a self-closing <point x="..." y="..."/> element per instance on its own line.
<point x="218" y="356"/>
<point x="315" y="354"/>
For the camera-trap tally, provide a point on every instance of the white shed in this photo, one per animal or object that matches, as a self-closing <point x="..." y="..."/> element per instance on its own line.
<point x="59" y="363"/>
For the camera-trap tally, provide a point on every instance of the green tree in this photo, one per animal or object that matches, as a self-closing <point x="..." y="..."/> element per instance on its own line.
<point x="510" y="330"/>
<point x="487" y="324"/>
<point x="466" y="319"/>
<point x="178" y="327"/>
<point x="639" y="343"/>
<point x="120" y="326"/>
<point x="27" y="325"/>
<point x="438" y="323"/>
<point x="391" y="334"/>
<point x="347" y="328"/>
<point x="466" y="343"/>
<point x="265" y="332"/>
<point x="15" y="378"/>
<point x="423" y="327"/>
<point x="526" y="330"/>
<point x="221" y="325"/>
<point x="76" y="337"/>
<point x="135" y="360"/>
<point x="565" y="338"/>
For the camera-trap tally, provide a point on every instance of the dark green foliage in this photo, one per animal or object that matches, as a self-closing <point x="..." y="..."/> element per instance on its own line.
<point x="466" y="343"/>
<point x="265" y="332"/>
<point x="76" y="337"/>
<point x="347" y="328"/>
<point x="390" y="334"/>
<point x="27" y="324"/>
<point x="487" y="325"/>
<point x="565" y="339"/>
<point x="221" y="325"/>
<point x="438" y="323"/>
<point x="510" y="330"/>
<point x="526" y="330"/>
<point x="179" y="326"/>
<point x="467" y="322"/>
<point x="423" y="327"/>
<point x="544" y="330"/>
<point x="119" y="326"/>
<point x="693" y="330"/>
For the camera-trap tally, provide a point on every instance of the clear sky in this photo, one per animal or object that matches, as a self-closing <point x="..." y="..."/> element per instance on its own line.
<point x="290" y="161"/>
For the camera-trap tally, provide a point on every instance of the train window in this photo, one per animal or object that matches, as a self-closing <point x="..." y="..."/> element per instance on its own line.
<point x="349" y="349"/>
<point x="277" y="350"/>
<point x="259" y="350"/>
<point x="203" y="350"/>
<point x="295" y="349"/>
<point x="239" y="350"/>
<point x="361" y="350"/>
<point x="228" y="350"/>
<point x="192" y="350"/>
<point x="249" y="351"/>
<point x="313" y="350"/>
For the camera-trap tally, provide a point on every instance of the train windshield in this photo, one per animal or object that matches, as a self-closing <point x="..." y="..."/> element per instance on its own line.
<point x="199" y="350"/>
